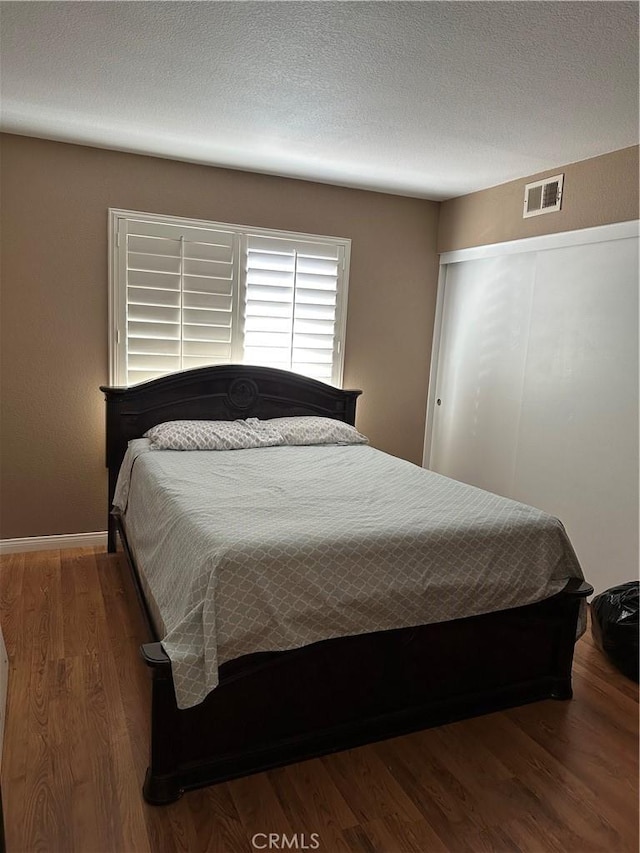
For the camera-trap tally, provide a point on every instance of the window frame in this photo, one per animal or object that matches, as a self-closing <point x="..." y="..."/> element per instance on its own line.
<point x="117" y="279"/>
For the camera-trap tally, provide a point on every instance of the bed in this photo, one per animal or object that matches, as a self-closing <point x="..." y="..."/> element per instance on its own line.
<point x="314" y="696"/>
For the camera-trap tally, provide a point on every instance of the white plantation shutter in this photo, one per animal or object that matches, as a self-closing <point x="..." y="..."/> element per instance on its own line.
<point x="181" y="284"/>
<point x="187" y="293"/>
<point x="292" y="305"/>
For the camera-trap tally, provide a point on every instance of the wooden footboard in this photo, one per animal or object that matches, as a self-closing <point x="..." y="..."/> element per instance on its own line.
<point x="278" y="708"/>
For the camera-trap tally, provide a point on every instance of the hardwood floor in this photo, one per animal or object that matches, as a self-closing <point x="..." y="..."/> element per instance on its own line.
<point x="554" y="776"/>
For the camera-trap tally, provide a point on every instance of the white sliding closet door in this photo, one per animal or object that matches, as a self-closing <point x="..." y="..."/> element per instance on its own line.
<point x="483" y="349"/>
<point x="537" y="377"/>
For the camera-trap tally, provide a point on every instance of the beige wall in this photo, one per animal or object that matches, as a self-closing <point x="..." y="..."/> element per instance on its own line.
<point x="54" y="307"/>
<point x="596" y="192"/>
<point x="53" y="334"/>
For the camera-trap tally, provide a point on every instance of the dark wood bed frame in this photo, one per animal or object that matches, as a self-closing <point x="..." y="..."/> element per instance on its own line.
<point x="274" y="708"/>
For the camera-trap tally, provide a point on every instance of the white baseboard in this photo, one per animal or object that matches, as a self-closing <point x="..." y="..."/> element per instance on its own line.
<point x="54" y="543"/>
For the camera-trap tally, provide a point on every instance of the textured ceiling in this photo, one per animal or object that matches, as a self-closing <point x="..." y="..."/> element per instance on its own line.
<point x="431" y="99"/>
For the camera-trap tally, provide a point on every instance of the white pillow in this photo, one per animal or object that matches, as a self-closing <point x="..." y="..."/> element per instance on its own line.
<point x="212" y="435"/>
<point x="314" y="430"/>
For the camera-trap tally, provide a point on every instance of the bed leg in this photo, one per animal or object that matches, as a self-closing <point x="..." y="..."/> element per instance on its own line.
<point x="111" y="534"/>
<point x="161" y="784"/>
<point x="575" y="592"/>
<point x="563" y="690"/>
<point x="160" y="790"/>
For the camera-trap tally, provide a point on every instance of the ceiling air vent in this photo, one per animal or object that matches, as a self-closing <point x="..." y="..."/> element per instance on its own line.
<point x="543" y="196"/>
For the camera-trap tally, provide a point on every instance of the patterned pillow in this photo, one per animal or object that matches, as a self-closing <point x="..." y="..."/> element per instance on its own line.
<point x="315" y="430"/>
<point x="212" y="435"/>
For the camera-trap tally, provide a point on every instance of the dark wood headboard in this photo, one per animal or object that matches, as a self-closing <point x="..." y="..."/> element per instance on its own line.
<point x="225" y="392"/>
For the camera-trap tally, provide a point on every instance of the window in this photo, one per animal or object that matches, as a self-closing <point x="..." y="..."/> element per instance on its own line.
<point x="186" y="293"/>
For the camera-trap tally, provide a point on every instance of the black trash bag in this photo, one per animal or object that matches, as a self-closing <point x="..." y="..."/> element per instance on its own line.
<point x="614" y="625"/>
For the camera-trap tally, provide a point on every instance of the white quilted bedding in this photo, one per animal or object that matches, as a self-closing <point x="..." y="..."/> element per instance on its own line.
<point x="276" y="547"/>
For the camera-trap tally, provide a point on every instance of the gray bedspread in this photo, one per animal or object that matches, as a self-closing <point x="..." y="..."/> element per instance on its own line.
<point x="273" y="548"/>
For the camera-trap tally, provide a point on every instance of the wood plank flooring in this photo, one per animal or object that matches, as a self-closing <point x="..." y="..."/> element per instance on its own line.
<point x="554" y="776"/>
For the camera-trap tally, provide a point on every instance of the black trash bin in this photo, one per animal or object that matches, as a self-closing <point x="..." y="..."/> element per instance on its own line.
<point x="614" y="625"/>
